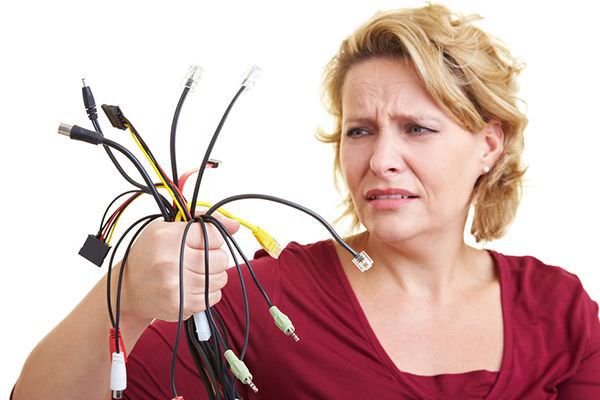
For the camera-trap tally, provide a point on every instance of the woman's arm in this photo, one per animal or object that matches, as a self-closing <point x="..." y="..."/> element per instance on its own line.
<point x="73" y="360"/>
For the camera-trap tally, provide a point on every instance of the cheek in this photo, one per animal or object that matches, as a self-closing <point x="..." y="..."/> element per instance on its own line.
<point x="354" y="163"/>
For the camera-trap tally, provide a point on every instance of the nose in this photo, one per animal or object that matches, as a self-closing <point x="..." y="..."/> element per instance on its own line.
<point x="387" y="158"/>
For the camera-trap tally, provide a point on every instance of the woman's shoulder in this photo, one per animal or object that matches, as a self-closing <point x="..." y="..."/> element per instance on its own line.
<point x="530" y="273"/>
<point x="531" y="284"/>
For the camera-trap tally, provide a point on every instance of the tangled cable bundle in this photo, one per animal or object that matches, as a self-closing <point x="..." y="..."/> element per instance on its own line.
<point x="215" y="359"/>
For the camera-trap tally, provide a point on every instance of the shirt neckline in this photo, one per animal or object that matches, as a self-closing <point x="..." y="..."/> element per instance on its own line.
<point x="403" y="376"/>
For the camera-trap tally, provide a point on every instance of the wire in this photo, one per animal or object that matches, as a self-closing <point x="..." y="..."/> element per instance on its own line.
<point x="143" y="172"/>
<point x="181" y="300"/>
<point x="102" y="226"/>
<point x="110" y="264"/>
<point x="168" y="185"/>
<point x="222" y="230"/>
<point x="209" y="150"/>
<point x="114" y="159"/>
<point x="275" y="199"/>
<point x="206" y="280"/>
<point x="120" y="281"/>
<point x="182" y="98"/>
<point x="250" y="269"/>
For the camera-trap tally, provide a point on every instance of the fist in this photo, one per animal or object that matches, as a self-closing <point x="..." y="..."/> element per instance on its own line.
<point x="151" y="279"/>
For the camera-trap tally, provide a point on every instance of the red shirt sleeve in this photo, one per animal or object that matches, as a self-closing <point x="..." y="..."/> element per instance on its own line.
<point x="585" y="383"/>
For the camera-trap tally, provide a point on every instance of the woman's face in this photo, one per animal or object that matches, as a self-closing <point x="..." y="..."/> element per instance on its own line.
<point x="397" y="141"/>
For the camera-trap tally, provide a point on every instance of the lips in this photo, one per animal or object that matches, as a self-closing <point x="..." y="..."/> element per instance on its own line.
<point x="389" y="193"/>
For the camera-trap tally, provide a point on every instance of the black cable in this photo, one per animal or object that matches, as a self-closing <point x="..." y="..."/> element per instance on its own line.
<point x="142" y="171"/>
<point x="162" y="173"/>
<point x="250" y="269"/>
<point x="195" y="353"/>
<point x="182" y="98"/>
<point x="287" y="203"/>
<point x="209" y="150"/>
<point x="102" y="224"/>
<point x="222" y="230"/>
<point x="120" y="281"/>
<point x="181" y="299"/>
<point x="110" y="264"/>
<point x="90" y="108"/>
<point x="206" y="281"/>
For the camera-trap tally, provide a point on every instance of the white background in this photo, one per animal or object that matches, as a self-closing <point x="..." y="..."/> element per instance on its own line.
<point x="136" y="53"/>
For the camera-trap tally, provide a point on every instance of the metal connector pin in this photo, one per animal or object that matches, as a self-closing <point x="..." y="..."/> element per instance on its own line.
<point x="65" y="129"/>
<point x="252" y="386"/>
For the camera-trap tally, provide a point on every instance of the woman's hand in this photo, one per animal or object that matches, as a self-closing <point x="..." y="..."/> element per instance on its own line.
<point x="151" y="280"/>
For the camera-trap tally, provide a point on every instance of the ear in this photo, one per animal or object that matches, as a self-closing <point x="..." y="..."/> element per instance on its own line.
<point x="493" y="143"/>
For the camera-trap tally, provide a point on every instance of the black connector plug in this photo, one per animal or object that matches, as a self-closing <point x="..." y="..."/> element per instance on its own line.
<point x="88" y="101"/>
<point x="94" y="250"/>
<point x="78" y="133"/>
<point x="115" y="116"/>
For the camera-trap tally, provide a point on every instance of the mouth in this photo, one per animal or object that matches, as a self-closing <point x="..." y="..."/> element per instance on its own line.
<point x="389" y="197"/>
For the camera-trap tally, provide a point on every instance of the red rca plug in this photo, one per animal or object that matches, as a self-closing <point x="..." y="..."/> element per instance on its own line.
<point x="113" y="346"/>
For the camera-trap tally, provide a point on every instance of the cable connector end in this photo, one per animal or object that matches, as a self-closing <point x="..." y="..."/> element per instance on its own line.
<point x="178" y="398"/>
<point x="283" y="323"/>
<point x="94" y="250"/>
<point x="267" y="242"/>
<point x="78" y="133"/>
<point x="202" y="326"/>
<point x="88" y="101"/>
<point x="115" y="116"/>
<point x="118" y="375"/>
<point x="239" y="369"/>
<point x="193" y="76"/>
<point x="65" y="129"/>
<point x="253" y="74"/>
<point x="362" y="261"/>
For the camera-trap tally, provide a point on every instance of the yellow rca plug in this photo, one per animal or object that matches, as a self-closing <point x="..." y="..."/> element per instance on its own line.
<point x="239" y="369"/>
<point x="284" y="323"/>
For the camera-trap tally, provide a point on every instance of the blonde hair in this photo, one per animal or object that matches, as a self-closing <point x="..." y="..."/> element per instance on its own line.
<point x="471" y="76"/>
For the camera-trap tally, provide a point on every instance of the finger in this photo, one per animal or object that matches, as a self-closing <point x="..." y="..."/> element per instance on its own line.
<point x="195" y="283"/>
<point x="195" y="237"/>
<point x="196" y="303"/>
<point x="218" y="260"/>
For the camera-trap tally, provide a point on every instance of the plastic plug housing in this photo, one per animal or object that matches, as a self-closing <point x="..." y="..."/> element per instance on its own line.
<point x="193" y="76"/>
<point x="202" y="327"/>
<point x="362" y="261"/>
<point x="118" y="375"/>
<point x="283" y="323"/>
<point x="94" y="250"/>
<point x="115" y="116"/>
<point x="251" y="76"/>
<point x="267" y="242"/>
<point x="239" y="369"/>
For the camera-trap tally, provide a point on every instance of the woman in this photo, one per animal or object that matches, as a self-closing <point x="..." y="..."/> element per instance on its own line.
<point x="427" y="125"/>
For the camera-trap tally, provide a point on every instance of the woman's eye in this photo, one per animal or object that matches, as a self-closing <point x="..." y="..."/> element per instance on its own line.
<point x="417" y="130"/>
<point x="356" y="132"/>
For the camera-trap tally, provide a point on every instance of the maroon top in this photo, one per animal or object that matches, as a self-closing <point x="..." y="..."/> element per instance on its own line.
<point x="551" y="339"/>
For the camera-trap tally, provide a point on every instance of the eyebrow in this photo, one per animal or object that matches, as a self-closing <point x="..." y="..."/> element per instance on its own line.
<point x="412" y="117"/>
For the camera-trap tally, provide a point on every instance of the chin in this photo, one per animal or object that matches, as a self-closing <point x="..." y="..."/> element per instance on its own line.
<point x="389" y="231"/>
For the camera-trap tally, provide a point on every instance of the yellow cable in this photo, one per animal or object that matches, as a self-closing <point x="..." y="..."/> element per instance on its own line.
<point x="155" y="170"/>
<point x="264" y="239"/>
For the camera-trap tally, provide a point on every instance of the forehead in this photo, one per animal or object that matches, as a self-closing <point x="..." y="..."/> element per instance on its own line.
<point x="385" y="83"/>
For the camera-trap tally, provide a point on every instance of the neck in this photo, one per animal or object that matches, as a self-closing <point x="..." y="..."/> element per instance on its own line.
<point x="432" y="269"/>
